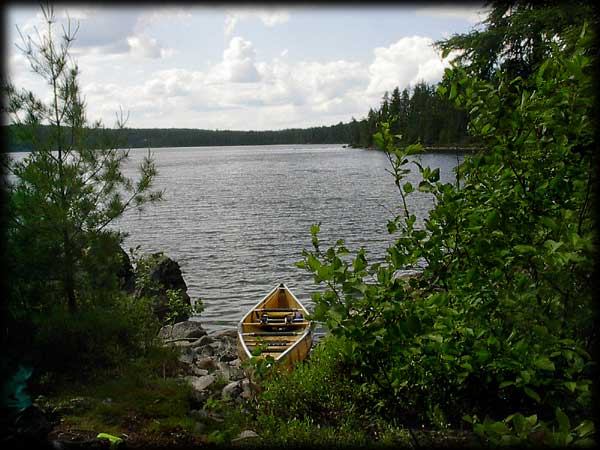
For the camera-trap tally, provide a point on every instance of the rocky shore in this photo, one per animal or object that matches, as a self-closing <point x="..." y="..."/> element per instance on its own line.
<point x="210" y="362"/>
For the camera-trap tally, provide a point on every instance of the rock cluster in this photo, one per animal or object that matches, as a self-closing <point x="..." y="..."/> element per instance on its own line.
<point x="210" y="361"/>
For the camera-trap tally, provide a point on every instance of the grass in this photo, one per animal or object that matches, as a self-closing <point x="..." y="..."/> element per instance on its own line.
<point x="135" y="399"/>
<point x="316" y="404"/>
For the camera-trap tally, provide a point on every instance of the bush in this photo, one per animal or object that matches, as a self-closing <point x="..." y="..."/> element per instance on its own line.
<point x="315" y="402"/>
<point x="499" y="322"/>
<point x="95" y="337"/>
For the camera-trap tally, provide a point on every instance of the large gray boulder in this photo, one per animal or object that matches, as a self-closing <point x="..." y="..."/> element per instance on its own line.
<point x="160" y="274"/>
<point x="188" y="329"/>
<point x="200" y="386"/>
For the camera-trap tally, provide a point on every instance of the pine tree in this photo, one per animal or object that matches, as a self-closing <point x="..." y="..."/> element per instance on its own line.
<point x="66" y="192"/>
<point x="395" y="108"/>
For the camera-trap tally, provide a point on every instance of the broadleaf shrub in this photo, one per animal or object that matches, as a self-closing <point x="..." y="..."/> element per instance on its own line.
<point x="499" y="320"/>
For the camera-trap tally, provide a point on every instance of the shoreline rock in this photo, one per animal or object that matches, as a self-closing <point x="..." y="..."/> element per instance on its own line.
<point x="185" y="330"/>
<point x="210" y="362"/>
<point x="161" y="274"/>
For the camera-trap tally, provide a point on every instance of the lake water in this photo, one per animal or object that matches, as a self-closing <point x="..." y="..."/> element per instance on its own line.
<point x="237" y="218"/>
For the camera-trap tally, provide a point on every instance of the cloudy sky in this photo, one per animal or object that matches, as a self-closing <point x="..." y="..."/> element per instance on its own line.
<point x="240" y="67"/>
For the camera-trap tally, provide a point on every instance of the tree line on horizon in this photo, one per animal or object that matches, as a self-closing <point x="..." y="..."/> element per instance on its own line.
<point x="419" y="115"/>
<point x="191" y="137"/>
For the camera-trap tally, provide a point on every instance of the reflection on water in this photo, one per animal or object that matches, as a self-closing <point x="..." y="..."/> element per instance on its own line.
<point x="237" y="218"/>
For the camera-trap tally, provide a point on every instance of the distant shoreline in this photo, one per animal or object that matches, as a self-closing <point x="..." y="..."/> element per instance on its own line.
<point x="340" y="134"/>
<point x="432" y="149"/>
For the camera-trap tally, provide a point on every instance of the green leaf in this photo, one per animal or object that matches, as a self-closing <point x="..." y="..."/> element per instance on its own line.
<point x="584" y="428"/>
<point x="408" y="188"/>
<point x="300" y="264"/>
<point x="518" y="422"/>
<point x="315" y="228"/>
<point x="378" y="140"/>
<point x="483" y="355"/>
<point x="324" y="272"/>
<point x="313" y="263"/>
<point x="534" y="395"/>
<point x="453" y="91"/>
<point x="543" y="362"/>
<point x="413" y="149"/>
<point x="531" y="420"/>
<point x="425" y="186"/>
<point x="526" y="375"/>
<point x="359" y="263"/>
<point x="563" y="421"/>
<point x="435" y="337"/>
<point x="524" y="249"/>
<point x="552" y="246"/>
<point x="497" y="427"/>
<point x="491" y="218"/>
<point x="434" y="175"/>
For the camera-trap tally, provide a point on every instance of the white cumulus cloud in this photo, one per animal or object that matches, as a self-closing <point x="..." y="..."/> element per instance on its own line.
<point x="238" y="64"/>
<point x="405" y="63"/>
<point x="144" y="46"/>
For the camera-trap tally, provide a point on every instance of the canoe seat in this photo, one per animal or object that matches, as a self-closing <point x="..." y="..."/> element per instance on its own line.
<point x="271" y="333"/>
<point x="293" y="324"/>
<point x="278" y="316"/>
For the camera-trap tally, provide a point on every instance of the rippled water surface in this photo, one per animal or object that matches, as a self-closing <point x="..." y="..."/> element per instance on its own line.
<point x="237" y="218"/>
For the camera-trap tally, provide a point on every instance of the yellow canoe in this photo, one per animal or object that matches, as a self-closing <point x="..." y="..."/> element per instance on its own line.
<point x="278" y="326"/>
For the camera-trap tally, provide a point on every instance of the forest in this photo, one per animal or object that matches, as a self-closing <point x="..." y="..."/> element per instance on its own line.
<point x="183" y="137"/>
<point x="417" y="115"/>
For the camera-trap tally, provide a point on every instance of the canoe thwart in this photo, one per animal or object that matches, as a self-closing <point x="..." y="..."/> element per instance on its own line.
<point x="272" y="350"/>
